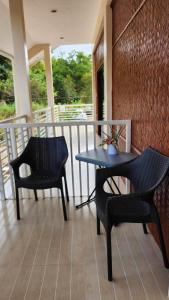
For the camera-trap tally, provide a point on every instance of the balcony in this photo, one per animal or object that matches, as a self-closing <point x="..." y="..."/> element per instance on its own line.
<point x="45" y="258"/>
<point x="42" y="257"/>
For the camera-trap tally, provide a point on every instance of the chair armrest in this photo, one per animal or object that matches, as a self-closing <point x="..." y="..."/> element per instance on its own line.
<point x="146" y="196"/>
<point x="15" y="164"/>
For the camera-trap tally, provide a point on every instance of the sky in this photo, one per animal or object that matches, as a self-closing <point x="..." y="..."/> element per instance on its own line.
<point x="66" y="49"/>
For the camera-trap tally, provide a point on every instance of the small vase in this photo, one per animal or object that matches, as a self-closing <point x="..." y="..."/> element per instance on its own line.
<point x="111" y="150"/>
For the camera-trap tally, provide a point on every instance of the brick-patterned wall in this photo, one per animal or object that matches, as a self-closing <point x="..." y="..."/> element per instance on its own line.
<point x="141" y="77"/>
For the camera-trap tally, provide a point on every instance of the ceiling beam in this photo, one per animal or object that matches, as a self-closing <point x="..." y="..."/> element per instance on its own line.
<point x="5" y="54"/>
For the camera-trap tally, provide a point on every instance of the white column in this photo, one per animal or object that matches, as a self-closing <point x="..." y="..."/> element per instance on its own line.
<point x="108" y="61"/>
<point x="20" y="63"/>
<point x="49" y="78"/>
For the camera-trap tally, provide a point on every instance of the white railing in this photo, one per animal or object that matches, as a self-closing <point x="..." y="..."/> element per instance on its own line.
<point x="4" y="152"/>
<point x="74" y="112"/>
<point x="42" y="115"/>
<point x="67" y="112"/>
<point x="19" y="119"/>
<point x="80" y="136"/>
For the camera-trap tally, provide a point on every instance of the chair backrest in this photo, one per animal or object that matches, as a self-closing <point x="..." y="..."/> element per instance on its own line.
<point x="148" y="170"/>
<point x="46" y="156"/>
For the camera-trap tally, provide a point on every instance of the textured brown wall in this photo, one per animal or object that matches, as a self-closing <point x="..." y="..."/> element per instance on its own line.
<point x="123" y="10"/>
<point x="141" y="74"/>
<point x="141" y="77"/>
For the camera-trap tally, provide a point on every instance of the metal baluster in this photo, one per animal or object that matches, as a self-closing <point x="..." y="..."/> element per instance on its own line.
<point x="9" y="153"/>
<point x="86" y="134"/>
<point x="72" y="165"/>
<point x="80" y="169"/>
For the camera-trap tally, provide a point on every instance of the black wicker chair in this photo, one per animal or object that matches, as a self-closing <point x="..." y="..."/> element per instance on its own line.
<point x="145" y="173"/>
<point x="46" y="158"/>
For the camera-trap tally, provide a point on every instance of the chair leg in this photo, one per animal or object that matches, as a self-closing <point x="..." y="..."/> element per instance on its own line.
<point x="35" y="193"/>
<point x="98" y="225"/>
<point x="162" y="243"/>
<point x="145" y="228"/>
<point x="66" y="188"/>
<point x="63" y="203"/>
<point x="17" y="204"/>
<point x="109" y="255"/>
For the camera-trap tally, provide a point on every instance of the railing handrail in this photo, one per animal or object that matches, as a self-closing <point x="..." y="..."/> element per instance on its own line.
<point x="42" y="110"/>
<point x="66" y="123"/>
<point x="80" y="104"/>
<point x="12" y="119"/>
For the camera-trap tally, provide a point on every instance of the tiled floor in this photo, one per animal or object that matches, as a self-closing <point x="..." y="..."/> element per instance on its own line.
<point x="42" y="257"/>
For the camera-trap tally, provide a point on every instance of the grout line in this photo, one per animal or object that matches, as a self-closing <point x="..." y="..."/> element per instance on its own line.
<point x="125" y="275"/>
<point x="156" y="249"/>
<point x="20" y="266"/>
<point x="47" y="255"/>
<point x="59" y="256"/>
<point x="147" y="261"/>
<point x="95" y="257"/>
<point x="114" y="288"/>
<point x="42" y="230"/>
<point x="71" y="256"/>
<point x="137" y="268"/>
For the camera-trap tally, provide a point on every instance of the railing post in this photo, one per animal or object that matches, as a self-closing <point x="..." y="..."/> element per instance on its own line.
<point x="13" y="143"/>
<point x="9" y="154"/>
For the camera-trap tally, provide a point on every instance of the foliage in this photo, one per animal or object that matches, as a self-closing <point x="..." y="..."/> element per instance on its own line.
<point x="38" y="82"/>
<point x="5" y="67"/>
<point x="71" y="79"/>
<point x="113" y="137"/>
<point x="6" y="110"/>
<point x="37" y="105"/>
<point x="6" y="78"/>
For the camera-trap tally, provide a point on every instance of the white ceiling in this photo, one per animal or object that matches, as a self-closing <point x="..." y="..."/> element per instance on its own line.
<point x="75" y="20"/>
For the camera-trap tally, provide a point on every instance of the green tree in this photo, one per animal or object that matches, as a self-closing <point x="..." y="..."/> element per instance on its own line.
<point x="72" y="78"/>
<point x="86" y="92"/>
<point x="38" y="82"/>
<point x="5" y="67"/>
<point x="6" y="78"/>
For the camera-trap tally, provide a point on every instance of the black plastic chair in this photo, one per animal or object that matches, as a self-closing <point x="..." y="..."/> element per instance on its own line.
<point x="145" y="173"/>
<point x="46" y="158"/>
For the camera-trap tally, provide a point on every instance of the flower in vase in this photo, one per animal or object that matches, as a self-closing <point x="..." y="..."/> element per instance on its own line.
<point x="113" y="137"/>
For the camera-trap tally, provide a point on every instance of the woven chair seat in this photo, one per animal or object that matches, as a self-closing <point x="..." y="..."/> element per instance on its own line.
<point x="37" y="182"/>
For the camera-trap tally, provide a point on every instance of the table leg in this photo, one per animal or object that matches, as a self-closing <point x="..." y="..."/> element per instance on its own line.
<point x="115" y="186"/>
<point x="88" y="201"/>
